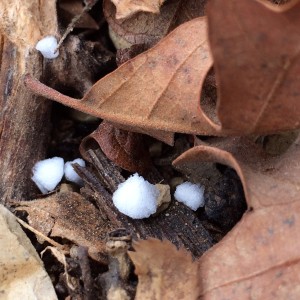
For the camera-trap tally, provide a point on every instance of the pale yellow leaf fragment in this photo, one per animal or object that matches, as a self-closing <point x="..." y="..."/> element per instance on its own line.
<point x="22" y="275"/>
<point x="127" y="8"/>
<point x="164" y="272"/>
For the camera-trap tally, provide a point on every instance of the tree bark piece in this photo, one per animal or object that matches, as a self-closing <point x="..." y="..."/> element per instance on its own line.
<point x="178" y="224"/>
<point x="24" y="124"/>
<point x="24" y="119"/>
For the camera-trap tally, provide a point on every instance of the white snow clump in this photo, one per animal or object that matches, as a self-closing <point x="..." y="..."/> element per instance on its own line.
<point x="190" y="194"/>
<point x="47" y="47"/>
<point x="136" y="197"/>
<point x="48" y="173"/>
<point x="70" y="173"/>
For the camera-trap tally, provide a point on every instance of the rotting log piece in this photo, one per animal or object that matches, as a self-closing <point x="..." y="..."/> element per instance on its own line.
<point x="24" y="124"/>
<point x="24" y="118"/>
<point x="178" y="223"/>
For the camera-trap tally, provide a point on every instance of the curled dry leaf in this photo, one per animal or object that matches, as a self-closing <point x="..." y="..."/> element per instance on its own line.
<point x="188" y="10"/>
<point x="127" y="8"/>
<point x="143" y="28"/>
<point x="255" y="48"/>
<point x="161" y="135"/>
<point x="126" y="149"/>
<point x="65" y="215"/>
<point x="148" y="29"/>
<point x="163" y="271"/>
<point x="158" y="89"/>
<point x="261" y="252"/>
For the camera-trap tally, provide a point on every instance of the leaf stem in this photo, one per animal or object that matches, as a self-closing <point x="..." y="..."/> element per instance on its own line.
<point x="42" y="90"/>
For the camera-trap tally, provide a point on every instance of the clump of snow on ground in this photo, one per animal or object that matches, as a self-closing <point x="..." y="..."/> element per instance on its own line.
<point x="70" y="173"/>
<point x="48" y="173"/>
<point x="190" y="194"/>
<point x="136" y="197"/>
<point x="47" y="47"/>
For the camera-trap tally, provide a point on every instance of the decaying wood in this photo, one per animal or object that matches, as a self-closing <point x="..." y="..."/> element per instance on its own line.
<point x="24" y="124"/>
<point x="178" y="223"/>
<point x="24" y="118"/>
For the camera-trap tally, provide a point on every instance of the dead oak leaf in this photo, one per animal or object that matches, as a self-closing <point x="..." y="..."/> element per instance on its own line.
<point x="261" y="253"/>
<point x="125" y="148"/>
<point x="255" y="47"/>
<point x="127" y="8"/>
<point x="160" y="89"/>
<point x="65" y="215"/>
<point x="157" y="90"/>
<point x="163" y="271"/>
<point x="148" y="29"/>
<point x="143" y="28"/>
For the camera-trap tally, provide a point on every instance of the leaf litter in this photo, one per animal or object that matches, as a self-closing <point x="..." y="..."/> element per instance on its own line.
<point x="256" y="256"/>
<point x="22" y="274"/>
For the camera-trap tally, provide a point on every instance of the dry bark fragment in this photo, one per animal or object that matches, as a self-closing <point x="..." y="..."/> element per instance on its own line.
<point x="20" y="123"/>
<point x="24" y="120"/>
<point x="178" y="223"/>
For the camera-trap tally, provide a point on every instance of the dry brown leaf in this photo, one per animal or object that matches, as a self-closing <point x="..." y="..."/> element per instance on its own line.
<point x="256" y="58"/>
<point x="164" y="272"/>
<point x="261" y="253"/>
<point x="189" y="9"/>
<point x="22" y="275"/>
<point x="161" y="135"/>
<point x="65" y="215"/>
<point x="158" y="89"/>
<point x="127" y="8"/>
<point x="143" y="28"/>
<point x="148" y="29"/>
<point x="126" y="149"/>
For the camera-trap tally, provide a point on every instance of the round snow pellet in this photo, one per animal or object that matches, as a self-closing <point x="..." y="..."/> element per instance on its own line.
<point x="48" y="173"/>
<point x="47" y="47"/>
<point x="70" y="173"/>
<point x="136" y="197"/>
<point x="190" y="194"/>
